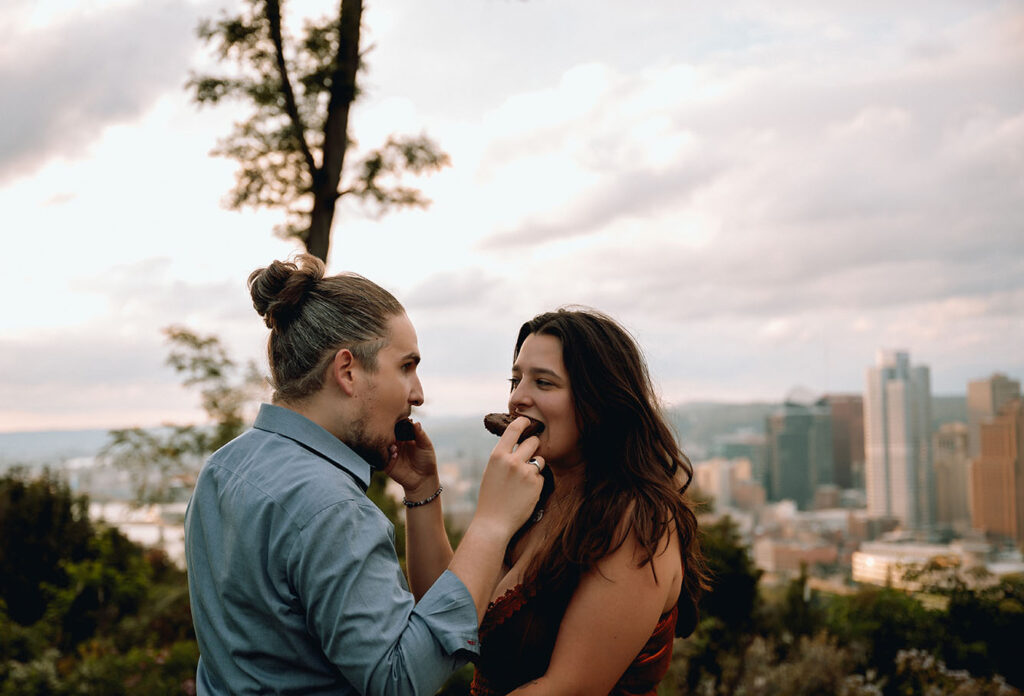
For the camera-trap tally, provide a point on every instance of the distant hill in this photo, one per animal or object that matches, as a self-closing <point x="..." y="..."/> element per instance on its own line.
<point x="49" y="445"/>
<point x="697" y="424"/>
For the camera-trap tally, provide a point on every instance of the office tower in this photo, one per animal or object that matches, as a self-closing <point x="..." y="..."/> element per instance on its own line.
<point x="984" y="399"/>
<point x="799" y="450"/>
<point x="897" y="441"/>
<point x="949" y="447"/>
<point x="730" y="482"/>
<point x="847" y="439"/>
<point x="997" y="475"/>
<point x="746" y="445"/>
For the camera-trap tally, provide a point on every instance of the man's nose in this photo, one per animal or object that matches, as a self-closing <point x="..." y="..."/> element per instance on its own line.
<point x="416" y="395"/>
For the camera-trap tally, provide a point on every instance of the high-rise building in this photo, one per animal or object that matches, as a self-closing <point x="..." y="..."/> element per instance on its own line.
<point x="897" y="441"/>
<point x="949" y="448"/>
<point x="799" y="450"/>
<point x="984" y="399"/>
<point x="745" y="445"/>
<point x="997" y="475"/>
<point x="730" y="482"/>
<point x="847" y="439"/>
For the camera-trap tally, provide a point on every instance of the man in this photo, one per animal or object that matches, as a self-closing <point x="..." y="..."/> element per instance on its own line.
<point x="293" y="576"/>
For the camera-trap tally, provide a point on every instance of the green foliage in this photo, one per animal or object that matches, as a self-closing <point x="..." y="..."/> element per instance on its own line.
<point x="919" y="672"/>
<point x="458" y="683"/>
<point x="43" y="527"/>
<point x="225" y="388"/>
<point x="875" y="641"/>
<point x="292" y="147"/>
<point x="797" y="612"/>
<point x="166" y="670"/>
<point x="379" y="178"/>
<point x="879" y="622"/>
<point x="815" y="665"/>
<point x="978" y="608"/>
<point x="733" y="598"/>
<point x="99" y="590"/>
<point x="107" y="616"/>
<point x="729" y="611"/>
<point x="162" y="463"/>
<point x="101" y="671"/>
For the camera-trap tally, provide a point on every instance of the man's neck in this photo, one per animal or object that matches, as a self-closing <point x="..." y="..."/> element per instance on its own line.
<point x="315" y="409"/>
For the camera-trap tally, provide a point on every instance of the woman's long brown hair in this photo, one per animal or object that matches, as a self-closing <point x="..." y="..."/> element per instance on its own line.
<point x="632" y="463"/>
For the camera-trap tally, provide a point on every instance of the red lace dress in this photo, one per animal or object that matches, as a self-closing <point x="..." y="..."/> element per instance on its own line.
<point x="517" y="637"/>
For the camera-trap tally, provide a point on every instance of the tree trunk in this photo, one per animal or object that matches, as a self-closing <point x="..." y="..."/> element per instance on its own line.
<point x="343" y="92"/>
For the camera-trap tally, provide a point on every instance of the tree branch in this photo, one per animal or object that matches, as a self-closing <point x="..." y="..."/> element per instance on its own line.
<point x="299" y="129"/>
<point x="335" y="141"/>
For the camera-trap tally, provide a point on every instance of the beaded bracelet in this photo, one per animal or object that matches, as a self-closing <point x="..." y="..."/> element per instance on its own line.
<point x="408" y="503"/>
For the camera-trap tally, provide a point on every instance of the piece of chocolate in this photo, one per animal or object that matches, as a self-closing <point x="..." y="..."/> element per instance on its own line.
<point x="497" y="423"/>
<point x="404" y="431"/>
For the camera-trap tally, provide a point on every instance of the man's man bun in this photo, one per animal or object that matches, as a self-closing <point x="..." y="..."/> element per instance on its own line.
<point x="279" y="290"/>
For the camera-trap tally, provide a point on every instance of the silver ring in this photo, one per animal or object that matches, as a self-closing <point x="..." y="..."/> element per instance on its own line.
<point x="536" y="464"/>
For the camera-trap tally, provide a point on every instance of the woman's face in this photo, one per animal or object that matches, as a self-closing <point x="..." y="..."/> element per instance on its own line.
<point x="541" y="390"/>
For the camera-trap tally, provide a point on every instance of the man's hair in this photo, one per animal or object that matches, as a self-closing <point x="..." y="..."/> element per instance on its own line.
<point x="312" y="317"/>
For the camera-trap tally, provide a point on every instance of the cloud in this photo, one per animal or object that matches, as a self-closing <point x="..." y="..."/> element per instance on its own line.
<point x="64" y="83"/>
<point x="147" y="290"/>
<point x="111" y="370"/>
<point x="836" y="179"/>
<point x="764" y="196"/>
<point x="454" y="290"/>
<point x="628" y="194"/>
<point x="80" y="358"/>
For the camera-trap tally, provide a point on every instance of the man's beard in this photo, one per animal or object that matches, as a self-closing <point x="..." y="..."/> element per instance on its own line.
<point x="373" y="450"/>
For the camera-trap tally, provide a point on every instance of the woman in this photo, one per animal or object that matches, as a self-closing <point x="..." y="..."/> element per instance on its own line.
<point x="608" y="569"/>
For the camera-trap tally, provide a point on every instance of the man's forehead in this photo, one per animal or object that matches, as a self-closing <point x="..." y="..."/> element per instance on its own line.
<point x="402" y="336"/>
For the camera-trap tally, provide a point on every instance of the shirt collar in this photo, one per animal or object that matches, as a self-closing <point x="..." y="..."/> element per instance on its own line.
<point x="295" y="426"/>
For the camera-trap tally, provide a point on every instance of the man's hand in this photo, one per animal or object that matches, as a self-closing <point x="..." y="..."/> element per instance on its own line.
<point x="413" y="465"/>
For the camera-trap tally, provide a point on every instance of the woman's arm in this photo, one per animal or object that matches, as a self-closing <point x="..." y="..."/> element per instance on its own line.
<point x="427" y="549"/>
<point x="610" y="618"/>
<point x="508" y="492"/>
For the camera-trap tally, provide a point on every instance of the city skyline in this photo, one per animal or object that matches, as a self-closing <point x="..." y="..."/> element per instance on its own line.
<point x="765" y="197"/>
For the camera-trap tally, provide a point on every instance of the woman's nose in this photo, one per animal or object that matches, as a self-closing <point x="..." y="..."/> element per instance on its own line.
<point x="519" y="398"/>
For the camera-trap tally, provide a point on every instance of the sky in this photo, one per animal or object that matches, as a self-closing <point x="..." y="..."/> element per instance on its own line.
<point x="764" y="196"/>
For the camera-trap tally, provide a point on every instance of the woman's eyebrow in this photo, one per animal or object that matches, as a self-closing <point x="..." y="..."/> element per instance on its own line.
<point x="538" y="371"/>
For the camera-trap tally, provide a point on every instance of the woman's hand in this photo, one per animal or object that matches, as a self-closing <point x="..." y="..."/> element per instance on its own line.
<point x="508" y="493"/>
<point x="511" y="484"/>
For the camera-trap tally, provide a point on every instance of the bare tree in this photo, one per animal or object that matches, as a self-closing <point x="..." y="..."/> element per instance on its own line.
<point x="292" y="148"/>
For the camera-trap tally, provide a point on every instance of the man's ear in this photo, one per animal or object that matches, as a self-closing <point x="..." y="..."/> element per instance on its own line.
<point x="342" y="371"/>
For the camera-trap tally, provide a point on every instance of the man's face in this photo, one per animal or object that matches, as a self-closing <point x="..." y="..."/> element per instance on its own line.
<point x="388" y="394"/>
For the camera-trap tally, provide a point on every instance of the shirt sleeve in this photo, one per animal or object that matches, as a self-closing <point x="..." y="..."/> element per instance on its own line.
<point x="346" y="574"/>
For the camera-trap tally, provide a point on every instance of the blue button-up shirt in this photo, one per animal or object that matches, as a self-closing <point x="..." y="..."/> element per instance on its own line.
<point x="294" y="580"/>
